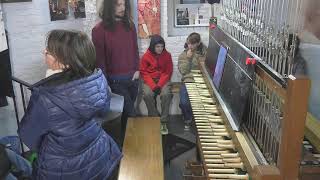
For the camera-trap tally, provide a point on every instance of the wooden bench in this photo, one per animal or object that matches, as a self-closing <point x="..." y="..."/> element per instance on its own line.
<point x="175" y="87"/>
<point x="142" y="150"/>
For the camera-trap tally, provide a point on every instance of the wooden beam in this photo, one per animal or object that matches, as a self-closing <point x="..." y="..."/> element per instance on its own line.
<point x="245" y="152"/>
<point x="266" y="172"/>
<point x="295" y="111"/>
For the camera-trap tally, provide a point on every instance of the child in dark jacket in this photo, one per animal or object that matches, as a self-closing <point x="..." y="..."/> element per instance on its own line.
<point x="156" y="70"/>
<point x="60" y="123"/>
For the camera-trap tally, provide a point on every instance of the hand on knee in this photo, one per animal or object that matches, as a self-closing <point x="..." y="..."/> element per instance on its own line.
<point x="157" y="91"/>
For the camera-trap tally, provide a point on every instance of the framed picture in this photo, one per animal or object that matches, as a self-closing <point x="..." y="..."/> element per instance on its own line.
<point x="187" y="15"/>
<point x="67" y="9"/>
<point x="13" y="1"/>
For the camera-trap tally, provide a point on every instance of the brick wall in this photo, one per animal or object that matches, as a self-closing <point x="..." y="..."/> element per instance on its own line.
<point x="29" y="22"/>
<point x="174" y="44"/>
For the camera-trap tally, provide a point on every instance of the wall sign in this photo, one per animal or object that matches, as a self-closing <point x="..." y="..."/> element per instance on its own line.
<point x="187" y="15"/>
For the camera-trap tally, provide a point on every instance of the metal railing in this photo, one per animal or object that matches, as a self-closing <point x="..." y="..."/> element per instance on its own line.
<point x="22" y="84"/>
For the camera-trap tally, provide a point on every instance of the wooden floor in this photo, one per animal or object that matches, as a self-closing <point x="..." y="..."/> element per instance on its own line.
<point x="142" y="149"/>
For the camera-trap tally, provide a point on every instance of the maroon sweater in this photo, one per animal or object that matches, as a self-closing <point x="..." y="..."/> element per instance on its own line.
<point x="117" y="51"/>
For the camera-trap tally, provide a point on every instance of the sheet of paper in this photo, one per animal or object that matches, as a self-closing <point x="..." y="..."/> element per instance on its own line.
<point x="3" y="39"/>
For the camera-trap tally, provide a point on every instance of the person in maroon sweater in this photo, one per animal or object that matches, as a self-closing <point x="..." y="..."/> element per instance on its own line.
<point x="115" y="40"/>
<point x="156" y="70"/>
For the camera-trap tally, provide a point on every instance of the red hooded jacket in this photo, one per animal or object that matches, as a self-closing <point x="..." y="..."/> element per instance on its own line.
<point x="156" y="67"/>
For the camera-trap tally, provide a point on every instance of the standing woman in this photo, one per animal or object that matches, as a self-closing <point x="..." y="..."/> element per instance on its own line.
<point x="115" y="39"/>
<point x="60" y="120"/>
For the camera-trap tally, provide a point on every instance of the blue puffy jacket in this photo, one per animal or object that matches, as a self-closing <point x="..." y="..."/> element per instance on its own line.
<point x="60" y="125"/>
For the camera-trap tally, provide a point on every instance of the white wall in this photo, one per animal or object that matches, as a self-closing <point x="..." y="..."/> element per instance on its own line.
<point x="181" y="31"/>
<point x="29" y="22"/>
<point x="310" y="50"/>
<point x="174" y="37"/>
<point x="311" y="53"/>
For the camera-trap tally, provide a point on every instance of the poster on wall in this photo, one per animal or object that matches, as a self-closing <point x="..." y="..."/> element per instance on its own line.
<point x="3" y="39"/>
<point x="148" y="18"/>
<point x="192" y="15"/>
<point x="67" y="9"/>
<point x="12" y="1"/>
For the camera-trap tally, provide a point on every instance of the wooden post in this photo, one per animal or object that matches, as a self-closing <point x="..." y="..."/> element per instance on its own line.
<point x="295" y="111"/>
<point x="266" y="172"/>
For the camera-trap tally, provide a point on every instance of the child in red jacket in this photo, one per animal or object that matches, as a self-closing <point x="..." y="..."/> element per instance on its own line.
<point x="156" y="70"/>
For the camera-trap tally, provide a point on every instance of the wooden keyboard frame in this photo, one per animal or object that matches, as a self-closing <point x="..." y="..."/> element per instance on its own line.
<point x="295" y="96"/>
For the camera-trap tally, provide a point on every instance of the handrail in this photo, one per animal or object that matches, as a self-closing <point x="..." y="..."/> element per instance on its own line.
<point x="21" y="84"/>
<point x="21" y="81"/>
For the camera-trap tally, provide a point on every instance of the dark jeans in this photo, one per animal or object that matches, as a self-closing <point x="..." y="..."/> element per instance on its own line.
<point x="22" y="166"/>
<point x="185" y="105"/>
<point x="129" y="90"/>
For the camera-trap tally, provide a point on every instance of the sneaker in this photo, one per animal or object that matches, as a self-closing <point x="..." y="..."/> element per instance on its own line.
<point x="164" y="130"/>
<point x="187" y="127"/>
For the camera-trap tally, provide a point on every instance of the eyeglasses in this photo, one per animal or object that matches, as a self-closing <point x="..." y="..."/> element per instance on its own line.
<point x="46" y="52"/>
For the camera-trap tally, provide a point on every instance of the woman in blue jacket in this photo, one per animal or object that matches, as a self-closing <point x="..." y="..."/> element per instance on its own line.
<point x="60" y="120"/>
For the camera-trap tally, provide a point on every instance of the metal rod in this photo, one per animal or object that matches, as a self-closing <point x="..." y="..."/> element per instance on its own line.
<point x="22" y="98"/>
<point x="17" y="119"/>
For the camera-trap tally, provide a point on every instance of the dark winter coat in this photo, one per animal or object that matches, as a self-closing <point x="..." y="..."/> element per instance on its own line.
<point x="60" y="125"/>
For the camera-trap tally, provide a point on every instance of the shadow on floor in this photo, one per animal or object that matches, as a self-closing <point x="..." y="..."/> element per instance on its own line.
<point x="176" y="167"/>
<point x="179" y="139"/>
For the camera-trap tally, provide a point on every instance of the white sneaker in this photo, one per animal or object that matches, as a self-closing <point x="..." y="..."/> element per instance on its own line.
<point x="164" y="130"/>
<point x="187" y="127"/>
